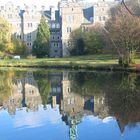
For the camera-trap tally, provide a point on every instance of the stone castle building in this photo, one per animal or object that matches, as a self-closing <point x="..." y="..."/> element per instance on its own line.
<point x="78" y="13"/>
<point x="24" y="22"/>
<point x="71" y="14"/>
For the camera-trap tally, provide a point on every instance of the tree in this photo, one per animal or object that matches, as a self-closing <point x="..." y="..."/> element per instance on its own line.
<point x="42" y="43"/>
<point x="5" y="34"/>
<point x="9" y="45"/>
<point x="77" y="44"/>
<point x="133" y="7"/>
<point x="19" y="47"/>
<point x="90" y="42"/>
<point x="124" y="29"/>
<point x="123" y="100"/>
<point x="94" y="42"/>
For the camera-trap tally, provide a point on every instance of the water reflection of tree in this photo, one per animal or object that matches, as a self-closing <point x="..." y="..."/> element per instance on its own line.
<point x="92" y="83"/>
<point x="44" y="85"/>
<point x="121" y="92"/>
<point x="124" y="101"/>
<point x="5" y="86"/>
<point x="6" y="82"/>
<point x="19" y="88"/>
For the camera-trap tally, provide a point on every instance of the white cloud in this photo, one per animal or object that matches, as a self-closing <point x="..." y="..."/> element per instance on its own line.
<point x="107" y="119"/>
<point x="36" y="119"/>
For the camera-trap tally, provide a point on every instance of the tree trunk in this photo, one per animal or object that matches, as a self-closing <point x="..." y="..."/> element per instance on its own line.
<point x="126" y="59"/>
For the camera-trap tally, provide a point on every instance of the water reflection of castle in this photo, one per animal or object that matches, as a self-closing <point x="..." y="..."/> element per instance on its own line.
<point x="25" y="93"/>
<point x="73" y="106"/>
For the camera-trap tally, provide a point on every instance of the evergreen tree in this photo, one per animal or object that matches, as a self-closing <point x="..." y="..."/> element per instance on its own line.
<point x="42" y="43"/>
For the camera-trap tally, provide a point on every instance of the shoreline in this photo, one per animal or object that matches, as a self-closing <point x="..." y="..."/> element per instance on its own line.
<point x="74" y="66"/>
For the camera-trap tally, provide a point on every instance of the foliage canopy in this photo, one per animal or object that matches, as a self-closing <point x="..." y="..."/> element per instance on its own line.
<point x="41" y="45"/>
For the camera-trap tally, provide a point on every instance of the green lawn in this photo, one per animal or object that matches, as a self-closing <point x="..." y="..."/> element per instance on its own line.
<point x="80" y="61"/>
<point x="94" y="62"/>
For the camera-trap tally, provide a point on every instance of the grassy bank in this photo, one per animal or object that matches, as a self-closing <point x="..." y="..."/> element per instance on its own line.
<point x="81" y="61"/>
<point x="101" y="62"/>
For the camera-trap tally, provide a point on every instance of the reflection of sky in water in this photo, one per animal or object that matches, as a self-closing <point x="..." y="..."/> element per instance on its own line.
<point x="35" y="119"/>
<point x="47" y="125"/>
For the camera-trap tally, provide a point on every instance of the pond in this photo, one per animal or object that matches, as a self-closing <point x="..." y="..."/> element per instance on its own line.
<point x="69" y="105"/>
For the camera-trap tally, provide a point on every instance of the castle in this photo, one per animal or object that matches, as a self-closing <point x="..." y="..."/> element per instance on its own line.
<point x="71" y="14"/>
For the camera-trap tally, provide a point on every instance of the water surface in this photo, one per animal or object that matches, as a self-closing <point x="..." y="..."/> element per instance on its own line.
<point x="69" y="105"/>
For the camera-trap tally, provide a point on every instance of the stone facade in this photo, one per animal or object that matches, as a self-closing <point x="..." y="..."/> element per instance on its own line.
<point x="54" y="22"/>
<point x="72" y="17"/>
<point x="76" y="14"/>
<point x="31" y="21"/>
<point x="24" y="21"/>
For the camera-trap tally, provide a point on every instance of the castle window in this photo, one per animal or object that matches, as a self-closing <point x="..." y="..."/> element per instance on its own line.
<point x="104" y="18"/>
<point x="58" y="25"/>
<point x="2" y="7"/>
<point x="69" y="29"/>
<point x="68" y="90"/>
<point x="100" y="18"/>
<point x="29" y="37"/>
<point x="70" y="18"/>
<point x="30" y="25"/>
<point x="84" y="29"/>
<point x="9" y="15"/>
<point x="53" y="26"/>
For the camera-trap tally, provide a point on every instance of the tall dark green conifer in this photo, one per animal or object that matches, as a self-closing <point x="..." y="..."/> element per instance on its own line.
<point x="41" y="45"/>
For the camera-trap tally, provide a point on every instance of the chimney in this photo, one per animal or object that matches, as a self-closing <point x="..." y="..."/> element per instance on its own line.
<point x="52" y="12"/>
